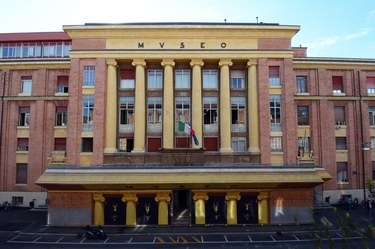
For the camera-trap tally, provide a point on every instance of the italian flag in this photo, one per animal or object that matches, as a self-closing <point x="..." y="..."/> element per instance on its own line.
<point x="186" y="128"/>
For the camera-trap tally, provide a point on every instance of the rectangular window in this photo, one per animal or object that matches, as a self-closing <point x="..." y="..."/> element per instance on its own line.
<point x="154" y="144"/>
<point x="60" y="144"/>
<point x="239" y="144"/>
<point x="155" y="79"/>
<point x="87" y="144"/>
<point x="211" y="143"/>
<point x="371" y="85"/>
<point x="210" y="79"/>
<point x="340" y="115"/>
<point x="62" y="84"/>
<point x="26" y="85"/>
<point x="24" y="116"/>
<point x="237" y="79"/>
<point x="88" y="75"/>
<point x="303" y="146"/>
<point x="303" y="115"/>
<point x="276" y="144"/>
<point x="372" y="143"/>
<point x="373" y="170"/>
<point x="238" y="110"/>
<point x="154" y="114"/>
<point x="342" y="172"/>
<point x="127" y="79"/>
<point x="87" y="112"/>
<point x="341" y="143"/>
<point x="126" y="144"/>
<point x="11" y="50"/>
<point x="275" y="112"/>
<point x="182" y="112"/>
<point x="61" y="116"/>
<point x="371" y="111"/>
<point x="337" y="84"/>
<point x="210" y="114"/>
<point x="182" y="79"/>
<point x="301" y="84"/>
<point x="126" y="110"/>
<point x="21" y="173"/>
<point x="274" y="76"/>
<point x="22" y="144"/>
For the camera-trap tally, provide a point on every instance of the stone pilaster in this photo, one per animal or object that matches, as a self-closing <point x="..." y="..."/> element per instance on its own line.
<point x="168" y="104"/>
<point x="197" y="101"/>
<point x="139" y="106"/>
<point x="111" y="108"/>
<point x="131" y="208"/>
<point x="253" y="126"/>
<point x="98" y="209"/>
<point x="163" y="211"/>
<point x="225" y="107"/>
<point x="200" y="199"/>
<point x="232" y="198"/>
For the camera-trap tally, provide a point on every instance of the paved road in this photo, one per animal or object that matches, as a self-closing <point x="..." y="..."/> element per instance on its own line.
<point x="23" y="228"/>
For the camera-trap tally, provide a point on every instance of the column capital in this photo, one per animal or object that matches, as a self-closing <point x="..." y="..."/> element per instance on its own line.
<point x="225" y="62"/>
<point x="139" y="62"/>
<point x="200" y="196"/>
<point x="163" y="197"/>
<point x="129" y="197"/>
<point x="98" y="197"/>
<point x="233" y="196"/>
<point x="263" y="196"/>
<point x="168" y="62"/>
<point x="252" y="62"/>
<point x="196" y="62"/>
<point x="111" y="62"/>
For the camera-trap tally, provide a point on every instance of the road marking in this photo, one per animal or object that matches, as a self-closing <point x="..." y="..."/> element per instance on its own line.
<point x="295" y="237"/>
<point x="172" y="239"/>
<point x="60" y="239"/>
<point x="183" y="239"/>
<point x="249" y="238"/>
<point x="226" y="239"/>
<point x="35" y="240"/>
<point x="160" y="240"/>
<point x="197" y="240"/>
<point x="15" y="237"/>
<point x="272" y="238"/>
<point x="106" y="240"/>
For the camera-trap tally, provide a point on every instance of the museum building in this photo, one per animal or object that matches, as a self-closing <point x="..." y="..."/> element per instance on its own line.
<point x="181" y="124"/>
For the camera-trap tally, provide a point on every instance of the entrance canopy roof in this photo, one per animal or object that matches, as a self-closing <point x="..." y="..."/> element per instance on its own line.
<point x="171" y="177"/>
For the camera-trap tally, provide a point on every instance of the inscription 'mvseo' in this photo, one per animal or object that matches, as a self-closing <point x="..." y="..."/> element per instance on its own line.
<point x="183" y="45"/>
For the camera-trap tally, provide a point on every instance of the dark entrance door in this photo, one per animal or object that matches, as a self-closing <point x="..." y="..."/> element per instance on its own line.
<point x="114" y="211"/>
<point x="247" y="210"/>
<point x="181" y="209"/>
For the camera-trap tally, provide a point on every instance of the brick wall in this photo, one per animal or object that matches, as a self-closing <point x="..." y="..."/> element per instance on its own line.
<point x="69" y="200"/>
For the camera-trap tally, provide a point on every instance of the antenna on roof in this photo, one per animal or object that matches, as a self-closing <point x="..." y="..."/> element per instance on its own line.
<point x="257" y="19"/>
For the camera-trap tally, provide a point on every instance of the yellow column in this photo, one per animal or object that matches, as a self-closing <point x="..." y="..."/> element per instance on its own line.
<point x="163" y="211"/>
<point x="232" y="198"/>
<point x="168" y="106"/>
<point x="225" y="120"/>
<point x="131" y="208"/>
<point x="139" y="106"/>
<point x="200" y="199"/>
<point x="98" y="209"/>
<point x="263" y="207"/>
<point x="253" y="126"/>
<point x="197" y="101"/>
<point x="111" y="108"/>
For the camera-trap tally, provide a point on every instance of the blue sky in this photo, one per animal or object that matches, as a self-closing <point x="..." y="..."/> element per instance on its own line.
<point x="329" y="28"/>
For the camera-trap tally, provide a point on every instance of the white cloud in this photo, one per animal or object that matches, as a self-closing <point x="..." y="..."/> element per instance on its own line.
<point x="330" y="41"/>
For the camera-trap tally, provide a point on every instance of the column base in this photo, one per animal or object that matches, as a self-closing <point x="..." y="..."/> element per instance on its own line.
<point x="110" y="150"/>
<point x="226" y="150"/>
<point x="138" y="150"/>
<point x="254" y="150"/>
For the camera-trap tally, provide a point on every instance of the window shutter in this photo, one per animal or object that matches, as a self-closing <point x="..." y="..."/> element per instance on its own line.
<point x="337" y="83"/>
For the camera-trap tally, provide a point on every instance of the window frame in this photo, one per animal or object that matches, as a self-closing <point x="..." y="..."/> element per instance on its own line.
<point x="276" y="144"/>
<point x="239" y="144"/>
<point x="182" y="79"/>
<point x="154" y="114"/>
<point x="275" y="112"/>
<point x="88" y="104"/>
<point x="182" y="111"/>
<point x="21" y="173"/>
<point x="210" y="114"/>
<point x="303" y="119"/>
<point x="88" y="75"/>
<point x="237" y="79"/>
<point x="301" y="84"/>
<point x="238" y="109"/>
<point x="154" y="79"/>
<point x="210" y="78"/>
<point x="26" y="85"/>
